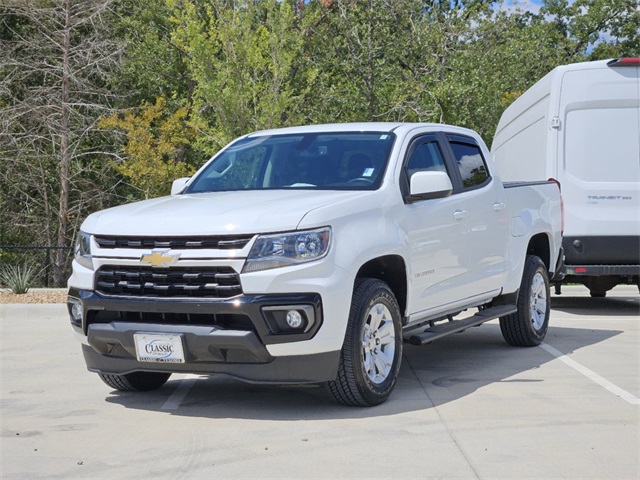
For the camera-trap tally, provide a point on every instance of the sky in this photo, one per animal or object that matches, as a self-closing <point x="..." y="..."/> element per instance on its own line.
<point x="532" y="6"/>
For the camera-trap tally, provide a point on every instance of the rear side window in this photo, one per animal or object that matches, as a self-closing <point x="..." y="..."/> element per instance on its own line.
<point x="470" y="163"/>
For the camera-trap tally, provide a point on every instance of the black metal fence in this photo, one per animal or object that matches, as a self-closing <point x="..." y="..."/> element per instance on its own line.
<point x="40" y="257"/>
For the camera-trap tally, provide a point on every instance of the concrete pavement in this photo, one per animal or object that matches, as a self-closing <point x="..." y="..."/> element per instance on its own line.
<point x="467" y="406"/>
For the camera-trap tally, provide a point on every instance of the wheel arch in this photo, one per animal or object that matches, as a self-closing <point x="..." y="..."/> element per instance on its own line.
<point x="540" y="246"/>
<point x="392" y="270"/>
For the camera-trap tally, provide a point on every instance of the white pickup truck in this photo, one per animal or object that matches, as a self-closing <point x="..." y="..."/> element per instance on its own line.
<point x="308" y="254"/>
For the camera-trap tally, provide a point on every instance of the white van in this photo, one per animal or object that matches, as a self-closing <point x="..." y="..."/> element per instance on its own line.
<point x="580" y="125"/>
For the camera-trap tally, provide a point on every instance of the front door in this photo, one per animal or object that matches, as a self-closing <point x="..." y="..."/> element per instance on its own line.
<point x="437" y="249"/>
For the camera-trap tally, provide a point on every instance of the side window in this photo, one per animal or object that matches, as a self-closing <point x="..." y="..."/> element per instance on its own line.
<point x="470" y="163"/>
<point x="426" y="157"/>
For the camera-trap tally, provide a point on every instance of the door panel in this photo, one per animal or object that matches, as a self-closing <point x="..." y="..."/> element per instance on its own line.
<point x="485" y="226"/>
<point x="435" y="239"/>
<point x="485" y="234"/>
<point x="599" y="151"/>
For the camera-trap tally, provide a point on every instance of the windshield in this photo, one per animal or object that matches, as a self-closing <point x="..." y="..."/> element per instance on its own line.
<point x="325" y="161"/>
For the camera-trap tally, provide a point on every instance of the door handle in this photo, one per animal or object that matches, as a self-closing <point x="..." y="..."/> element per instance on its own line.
<point x="498" y="206"/>
<point x="460" y="214"/>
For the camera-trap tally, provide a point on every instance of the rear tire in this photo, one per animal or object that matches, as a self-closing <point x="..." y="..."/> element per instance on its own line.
<point x="135" y="381"/>
<point x="372" y="349"/>
<point x="595" y="294"/>
<point x="528" y="326"/>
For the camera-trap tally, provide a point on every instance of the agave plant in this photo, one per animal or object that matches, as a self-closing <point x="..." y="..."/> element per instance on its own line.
<point x="17" y="278"/>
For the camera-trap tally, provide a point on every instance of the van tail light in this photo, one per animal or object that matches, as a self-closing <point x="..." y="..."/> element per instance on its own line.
<point x="625" y="62"/>
<point x="561" y="202"/>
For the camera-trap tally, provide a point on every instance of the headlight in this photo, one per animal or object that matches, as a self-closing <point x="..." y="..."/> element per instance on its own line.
<point x="285" y="249"/>
<point x="83" y="250"/>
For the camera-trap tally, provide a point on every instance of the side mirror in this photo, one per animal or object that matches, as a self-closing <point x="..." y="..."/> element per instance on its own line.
<point x="428" y="185"/>
<point x="178" y="185"/>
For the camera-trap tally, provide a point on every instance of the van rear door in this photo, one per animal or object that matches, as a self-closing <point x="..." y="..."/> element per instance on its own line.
<point x="599" y="163"/>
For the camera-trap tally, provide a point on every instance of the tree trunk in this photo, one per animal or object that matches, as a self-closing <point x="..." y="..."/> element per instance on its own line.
<point x="65" y="157"/>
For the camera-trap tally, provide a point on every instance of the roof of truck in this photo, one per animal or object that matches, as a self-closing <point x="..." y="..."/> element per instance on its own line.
<point x="399" y="127"/>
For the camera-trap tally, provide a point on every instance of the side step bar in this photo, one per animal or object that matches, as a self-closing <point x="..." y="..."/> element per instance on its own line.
<point x="455" y="326"/>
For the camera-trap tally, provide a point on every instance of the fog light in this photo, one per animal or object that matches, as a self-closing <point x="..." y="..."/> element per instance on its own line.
<point x="76" y="312"/>
<point x="294" y="319"/>
<point x="289" y="319"/>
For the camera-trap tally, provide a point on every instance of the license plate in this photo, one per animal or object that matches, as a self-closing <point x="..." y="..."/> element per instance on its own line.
<point x="159" y="348"/>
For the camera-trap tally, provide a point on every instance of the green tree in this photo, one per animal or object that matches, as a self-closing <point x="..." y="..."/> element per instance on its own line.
<point x="596" y="29"/>
<point x="152" y="65"/>
<point x="155" y="141"/>
<point x="357" y="47"/>
<point x="244" y="59"/>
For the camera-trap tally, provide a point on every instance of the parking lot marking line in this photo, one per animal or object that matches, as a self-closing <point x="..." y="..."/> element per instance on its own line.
<point x="591" y="375"/>
<point x="176" y="398"/>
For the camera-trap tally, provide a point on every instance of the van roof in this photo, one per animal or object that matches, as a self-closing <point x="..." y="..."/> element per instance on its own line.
<point x="542" y="87"/>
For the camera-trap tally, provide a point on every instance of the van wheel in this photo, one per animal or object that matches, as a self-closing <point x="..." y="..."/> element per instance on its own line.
<point x="595" y="294"/>
<point x="372" y="349"/>
<point x="528" y="326"/>
<point x="135" y="381"/>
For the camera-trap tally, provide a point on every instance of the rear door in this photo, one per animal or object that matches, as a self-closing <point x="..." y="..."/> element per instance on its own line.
<point x="599" y="159"/>
<point x="484" y="221"/>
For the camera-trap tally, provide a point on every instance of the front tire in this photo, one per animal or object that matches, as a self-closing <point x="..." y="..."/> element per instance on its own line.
<point x="528" y="326"/>
<point x="135" y="381"/>
<point x="372" y="349"/>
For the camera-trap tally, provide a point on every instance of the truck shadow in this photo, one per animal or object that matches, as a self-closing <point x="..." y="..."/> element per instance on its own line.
<point x="608" y="306"/>
<point x="431" y="375"/>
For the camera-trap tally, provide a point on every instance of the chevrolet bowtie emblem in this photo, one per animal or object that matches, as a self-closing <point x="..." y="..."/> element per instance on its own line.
<point x="159" y="258"/>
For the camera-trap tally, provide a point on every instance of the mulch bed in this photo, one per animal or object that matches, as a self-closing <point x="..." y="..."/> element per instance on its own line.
<point x="34" y="296"/>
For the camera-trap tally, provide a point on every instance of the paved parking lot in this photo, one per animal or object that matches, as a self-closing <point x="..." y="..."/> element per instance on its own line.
<point x="468" y="406"/>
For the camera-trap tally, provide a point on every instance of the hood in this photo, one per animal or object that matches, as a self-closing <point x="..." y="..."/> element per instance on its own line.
<point x="242" y="212"/>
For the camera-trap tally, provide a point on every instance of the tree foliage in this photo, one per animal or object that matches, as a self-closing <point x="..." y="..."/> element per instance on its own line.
<point x="154" y="148"/>
<point x="243" y="59"/>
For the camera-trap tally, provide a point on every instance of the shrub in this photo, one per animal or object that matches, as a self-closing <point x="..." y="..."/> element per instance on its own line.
<point x="18" y="278"/>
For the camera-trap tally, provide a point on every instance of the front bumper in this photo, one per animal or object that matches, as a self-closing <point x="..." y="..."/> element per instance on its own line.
<point x="296" y="369"/>
<point x="227" y="336"/>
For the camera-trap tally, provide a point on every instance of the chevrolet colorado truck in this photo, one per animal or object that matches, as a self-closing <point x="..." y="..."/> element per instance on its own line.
<point x="309" y="254"/>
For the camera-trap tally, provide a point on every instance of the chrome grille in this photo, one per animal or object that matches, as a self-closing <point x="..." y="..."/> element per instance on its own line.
<point x="141" y="281"/>
<point x="182" y="243"/>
